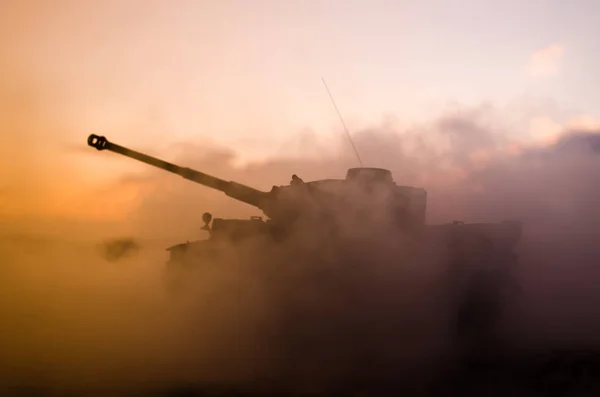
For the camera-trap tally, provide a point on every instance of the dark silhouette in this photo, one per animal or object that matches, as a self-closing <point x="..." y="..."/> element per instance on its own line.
<point x="115" y="250"/>
<point x="368" y="198"/>
<point x="332" y="233"/>
<point x="481" y="307"/>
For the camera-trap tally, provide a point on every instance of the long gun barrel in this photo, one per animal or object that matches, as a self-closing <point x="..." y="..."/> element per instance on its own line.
<point x="234" y="190"/>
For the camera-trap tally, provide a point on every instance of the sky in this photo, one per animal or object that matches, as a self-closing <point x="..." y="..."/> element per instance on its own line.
<point x="246" y="76"/>
<point x="472" y="100"/>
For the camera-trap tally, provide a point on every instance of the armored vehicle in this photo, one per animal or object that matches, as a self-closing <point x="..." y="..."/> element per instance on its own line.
<point x="366" y="199"/>
<point x="332" y="225"/>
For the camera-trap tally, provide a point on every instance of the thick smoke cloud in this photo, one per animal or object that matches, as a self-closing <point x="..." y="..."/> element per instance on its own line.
<point x="472" y="172"/>
<point x="76" y="320"/>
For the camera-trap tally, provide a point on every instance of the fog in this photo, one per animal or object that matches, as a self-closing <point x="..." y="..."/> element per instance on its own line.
<point x="75" y="319"/>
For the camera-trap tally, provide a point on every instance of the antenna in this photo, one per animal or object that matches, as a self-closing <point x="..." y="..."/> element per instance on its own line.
<point x="344" y="124"/>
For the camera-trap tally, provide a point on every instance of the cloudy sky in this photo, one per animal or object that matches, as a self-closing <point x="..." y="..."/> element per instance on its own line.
<point x="457" y="96"/>
<point x="247" y="74"/>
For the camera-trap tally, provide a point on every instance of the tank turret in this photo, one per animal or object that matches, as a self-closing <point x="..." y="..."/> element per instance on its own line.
<point x="365" y="191"/>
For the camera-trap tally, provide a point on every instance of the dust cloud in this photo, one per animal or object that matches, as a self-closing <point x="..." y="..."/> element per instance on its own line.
<point x="74" y="321"/>
<point x="116" y="249"/>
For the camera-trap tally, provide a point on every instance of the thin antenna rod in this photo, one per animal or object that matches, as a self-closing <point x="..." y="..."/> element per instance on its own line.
<point x="344" y="124"/>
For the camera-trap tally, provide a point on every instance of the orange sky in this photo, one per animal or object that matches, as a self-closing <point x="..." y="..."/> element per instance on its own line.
<point x="216" y="82"/>
<point x="153" y="75"/>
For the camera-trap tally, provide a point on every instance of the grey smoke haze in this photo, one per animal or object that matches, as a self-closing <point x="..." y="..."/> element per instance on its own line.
<point x="76" y="320"/>
<point x="551" y="189"/>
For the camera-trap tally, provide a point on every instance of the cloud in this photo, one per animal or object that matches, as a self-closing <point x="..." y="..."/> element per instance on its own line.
<point x="544" y="130"/>
<point x="546" y="61"/>
<point x="584" y="123"/>
<point x="119" y="329"/>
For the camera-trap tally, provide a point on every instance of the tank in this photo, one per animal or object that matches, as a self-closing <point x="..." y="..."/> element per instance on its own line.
<point x="361" y="217"/>
<point x="367" y="198"/>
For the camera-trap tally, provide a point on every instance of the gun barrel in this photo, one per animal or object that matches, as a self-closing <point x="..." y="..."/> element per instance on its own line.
<point x="234" y="190"/>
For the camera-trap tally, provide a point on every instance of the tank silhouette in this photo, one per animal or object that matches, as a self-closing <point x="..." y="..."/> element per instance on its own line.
<point x="361" y="210"/>
<point x="368" y="196"/>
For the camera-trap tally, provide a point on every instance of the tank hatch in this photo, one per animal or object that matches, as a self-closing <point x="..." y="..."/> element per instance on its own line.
<point x="369" y="173"/>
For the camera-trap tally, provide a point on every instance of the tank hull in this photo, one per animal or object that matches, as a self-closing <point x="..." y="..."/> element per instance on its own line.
<point x="351" y="304"/>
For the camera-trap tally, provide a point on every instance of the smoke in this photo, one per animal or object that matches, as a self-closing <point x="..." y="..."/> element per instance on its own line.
<point x="472" y="172"/>
<point x="116" y="249"/>
<point x="75" y="320"/>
